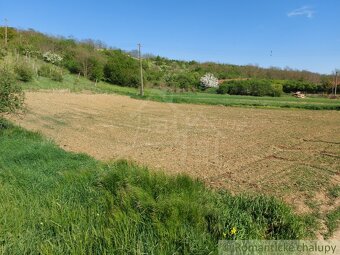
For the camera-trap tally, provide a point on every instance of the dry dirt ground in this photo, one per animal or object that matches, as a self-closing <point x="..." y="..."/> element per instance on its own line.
<point x="292" y="154"/>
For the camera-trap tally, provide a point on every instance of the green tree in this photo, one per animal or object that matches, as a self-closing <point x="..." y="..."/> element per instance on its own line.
<point x="96" y="72"/>
<point x="121" y="69"/>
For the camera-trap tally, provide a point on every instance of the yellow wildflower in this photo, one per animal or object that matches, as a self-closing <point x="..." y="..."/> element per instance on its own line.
<point x="233" y="231"/>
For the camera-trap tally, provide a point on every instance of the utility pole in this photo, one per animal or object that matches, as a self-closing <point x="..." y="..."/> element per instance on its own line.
<point x="336" y="82"/>
<point x="141" y="70"/>
<point x="6" y="36"/>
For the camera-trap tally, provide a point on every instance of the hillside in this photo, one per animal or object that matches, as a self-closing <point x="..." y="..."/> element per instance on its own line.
<point x="96" y="61"/>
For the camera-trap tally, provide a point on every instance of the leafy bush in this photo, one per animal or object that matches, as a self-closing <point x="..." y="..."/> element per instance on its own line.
<point x="24" y="72"/>
<point x="121" y="69"/>
<point x="3" y="53"/>
<point x="209" y="81"/>
<point x="251" y="88"/>
<point x="223" y="88"/>
<point x="44" y="71"/>
<point x="48" y="72"/>
<point x="52" y="57"/>
<point x="211" y="90"/>
<point x="183" y="80"/>
<point x="308" y="87"/>
<point x="11" y="94"/>
<point x="326" y="84"/>
<point x="72" y="65"/>
<point x="96" y="70"/>
<point x="56" y="76"/>
<point x="276" y="90"/>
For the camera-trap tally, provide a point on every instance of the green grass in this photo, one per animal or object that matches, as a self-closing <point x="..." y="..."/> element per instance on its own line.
<point x="312" y="103"/>
<point x="249" y="101"/>
<point x="335" y="191"/>
<point x="332" y="221"/>
<point x="72" y="83"/>
<point x="57" y="202"/>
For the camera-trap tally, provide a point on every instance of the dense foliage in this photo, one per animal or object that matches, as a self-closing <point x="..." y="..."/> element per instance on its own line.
<point x="24" y="72"/>
<point x="185" y="81"/>
<point x="121" y="70"/>
<point x="95" y="61"/>
<point x="11" y="95"/>
<point x="304" y="86"/>
<point x="50" y="72"/>
<point x="251" y="87"/>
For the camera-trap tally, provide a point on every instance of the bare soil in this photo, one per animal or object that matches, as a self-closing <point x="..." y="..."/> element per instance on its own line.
<point x="291" y="154"/>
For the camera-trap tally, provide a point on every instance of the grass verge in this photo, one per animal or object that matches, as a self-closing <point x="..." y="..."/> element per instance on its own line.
<point x="72" y="83"/>
<point x="56" y="202"/>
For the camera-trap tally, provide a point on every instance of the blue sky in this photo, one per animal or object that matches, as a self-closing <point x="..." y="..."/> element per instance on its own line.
<point x="302" y="34"/>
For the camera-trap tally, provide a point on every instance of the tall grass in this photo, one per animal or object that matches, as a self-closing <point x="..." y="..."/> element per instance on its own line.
<point x="56" y="202"/>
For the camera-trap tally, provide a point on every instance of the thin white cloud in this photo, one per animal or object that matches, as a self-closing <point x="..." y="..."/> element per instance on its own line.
<point x="303" y="11"/>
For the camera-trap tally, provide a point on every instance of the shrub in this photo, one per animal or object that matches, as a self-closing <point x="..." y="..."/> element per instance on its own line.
<point x="209" y="81"/>
<point x="72" y="65"/>
<point x="52" y="57"/>
<point x="223" y="89"/>
<point x="47" y="71"/>
<point x="326" y="84"/>
<point x="276" y="90"/>
<point x="3" y="53"/>
<point x="56" y="76"/>
<point x="11" y="94"/>
<point x="261" y="88"/>
<point x="250" y="87"/>
<point x="44" y="71"/>
<point x="183" y="80"/>
<point x="211" y="91"/>
<point x="96" y="70"/>
<point x="308" y="87"/>
<point x="121" y="69"/>
<point x="24" y="72"/>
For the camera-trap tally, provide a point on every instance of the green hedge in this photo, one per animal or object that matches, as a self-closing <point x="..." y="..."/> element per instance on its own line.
<point x="251" y="88"/>
<point x="308" y="87"/>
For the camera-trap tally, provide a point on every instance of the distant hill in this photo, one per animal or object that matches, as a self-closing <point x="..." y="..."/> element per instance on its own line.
<point x="96" y="61"/>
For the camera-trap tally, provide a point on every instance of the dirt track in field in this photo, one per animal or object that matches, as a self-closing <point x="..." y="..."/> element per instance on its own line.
<point x="293" y="154"/>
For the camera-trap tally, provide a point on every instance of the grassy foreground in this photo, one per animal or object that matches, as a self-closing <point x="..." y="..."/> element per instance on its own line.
<point x="71" y="82"/>
<point x="56" y="202"/>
